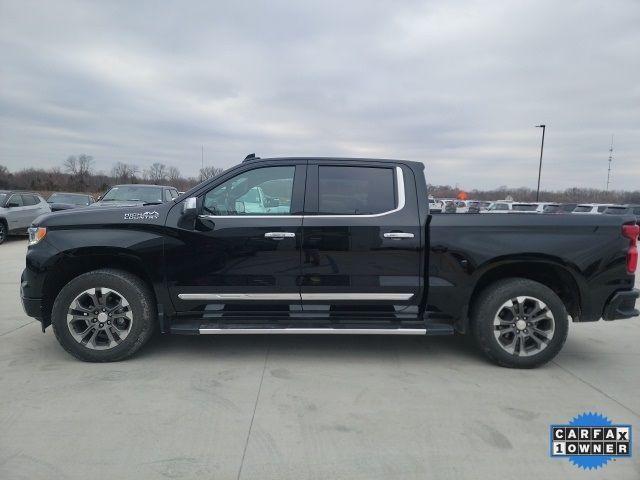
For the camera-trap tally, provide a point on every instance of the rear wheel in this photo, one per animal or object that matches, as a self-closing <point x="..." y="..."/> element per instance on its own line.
<point x="104" y="315"/>
<point x="3" y="231"/>
<point x="519" y="323"/>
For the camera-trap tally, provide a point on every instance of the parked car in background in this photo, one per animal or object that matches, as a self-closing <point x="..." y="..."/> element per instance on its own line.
<point x="535" y="207"/>
<point x="435" y="206"/>
<point x="499" y="206"/>
<point x="64" y="201"/>
<point x="473" y="206"/>
<point x="17" y="211"/>
<point x="561" y="208"/>
<point x="484" y="205"/>
<point x="136" y="194"/>
<point x="449" y="205"/>
<point x="591" y="208"/>
<point x="631" y="210"/>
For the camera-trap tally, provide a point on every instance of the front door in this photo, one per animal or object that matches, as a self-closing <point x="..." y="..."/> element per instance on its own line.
<point x="361" y="258"/>
<point x="241" y="256"/>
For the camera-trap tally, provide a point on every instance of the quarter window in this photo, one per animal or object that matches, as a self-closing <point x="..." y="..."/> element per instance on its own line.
<point x="355" y="190"/>
<point x="262" y="191"/>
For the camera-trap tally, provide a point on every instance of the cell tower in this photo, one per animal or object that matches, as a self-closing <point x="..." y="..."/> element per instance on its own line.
<point x="610" y="158"/>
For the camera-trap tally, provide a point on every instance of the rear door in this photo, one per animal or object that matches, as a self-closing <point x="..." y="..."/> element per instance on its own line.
<point x="31" y="209"/>
<point x="15" y="212"/>
<point x="361" y="241"/>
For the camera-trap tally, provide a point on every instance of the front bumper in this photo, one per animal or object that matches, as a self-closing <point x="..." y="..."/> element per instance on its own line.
<point x="32" y="306"/>
<point x="622" y="305"/>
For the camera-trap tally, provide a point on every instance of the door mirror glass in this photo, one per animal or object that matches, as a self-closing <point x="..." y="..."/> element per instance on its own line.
<point x="190" y="207"/>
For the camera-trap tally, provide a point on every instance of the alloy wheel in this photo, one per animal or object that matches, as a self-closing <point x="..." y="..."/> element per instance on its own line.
<point x="99" y="318"/>
<point x="524" y="326"/>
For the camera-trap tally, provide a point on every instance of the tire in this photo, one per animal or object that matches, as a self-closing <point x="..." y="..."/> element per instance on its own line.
<point x="4" y="231"/>
<point x="526" y="333"/>
<point x="125" y="321"/>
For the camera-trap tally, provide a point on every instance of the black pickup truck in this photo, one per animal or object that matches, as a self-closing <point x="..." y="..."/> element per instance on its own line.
<point x="324" y="246"/>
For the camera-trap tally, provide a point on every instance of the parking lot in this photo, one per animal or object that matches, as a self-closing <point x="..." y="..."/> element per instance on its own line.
<point x="300" y="407"/>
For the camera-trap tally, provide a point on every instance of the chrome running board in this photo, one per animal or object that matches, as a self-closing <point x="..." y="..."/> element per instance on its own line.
<point x="313" y="331"/>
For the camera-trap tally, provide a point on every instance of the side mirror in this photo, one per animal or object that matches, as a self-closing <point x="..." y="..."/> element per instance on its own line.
<point x="271" y="202"/>
<point x="240" y="207"/>
<point x="190" y="207"/>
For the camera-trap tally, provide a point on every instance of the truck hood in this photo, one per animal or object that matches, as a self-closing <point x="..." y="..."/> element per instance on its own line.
<point x="102" y="217"/>
<point x="123" y="203"/>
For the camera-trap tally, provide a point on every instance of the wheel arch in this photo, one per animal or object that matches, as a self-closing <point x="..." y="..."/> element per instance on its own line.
<point x="70" y="266"/>
<point x="552" y="274"/>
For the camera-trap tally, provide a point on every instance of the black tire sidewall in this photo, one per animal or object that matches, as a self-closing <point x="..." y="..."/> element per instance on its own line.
<point x="493" y="297"/>
<point x="131" y="288"/>
<point x="4" y="231"/>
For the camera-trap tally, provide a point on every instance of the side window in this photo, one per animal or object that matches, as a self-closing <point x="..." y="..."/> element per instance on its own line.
<point x="173" y="192"/>
<point x="16" y="200"/>
<point x="636" y="211"/>
<point x="29" y="200"/>
<point x="262" y="191"/>
<point x="502" y="206"/>
<point x="602" y="209"/>
<point x="355" y="190"/>
<point x="167" y="195"/>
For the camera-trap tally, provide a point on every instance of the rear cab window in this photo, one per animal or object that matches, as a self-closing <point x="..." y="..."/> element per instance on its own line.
<point x="356" y="190"/>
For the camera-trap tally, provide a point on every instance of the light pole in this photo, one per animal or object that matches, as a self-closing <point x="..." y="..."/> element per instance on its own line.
<point x="540" y="167"/>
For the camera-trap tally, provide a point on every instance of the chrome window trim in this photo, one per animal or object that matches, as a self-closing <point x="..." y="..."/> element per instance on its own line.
<point x="401" y="204"/>
<point x="296" y="296"/>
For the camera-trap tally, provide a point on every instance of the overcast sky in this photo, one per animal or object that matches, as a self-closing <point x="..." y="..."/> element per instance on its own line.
<point x="459" y="85"/>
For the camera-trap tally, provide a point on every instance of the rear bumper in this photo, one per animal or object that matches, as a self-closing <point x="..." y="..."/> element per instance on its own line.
<point x="622" y="305"/>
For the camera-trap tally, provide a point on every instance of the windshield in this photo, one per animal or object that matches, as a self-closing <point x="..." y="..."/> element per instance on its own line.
<point x="133" y="194"/>
<point x="524" y="207"/>
<point x="68" y="198"/>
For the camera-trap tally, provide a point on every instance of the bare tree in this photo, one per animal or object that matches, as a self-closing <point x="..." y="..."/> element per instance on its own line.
<point x="157" y="173"/>
<point x="173" y="175"/>
<point x="79" y="168"/>
<point x="209" y="172"/>
<point x="123" y="172"/>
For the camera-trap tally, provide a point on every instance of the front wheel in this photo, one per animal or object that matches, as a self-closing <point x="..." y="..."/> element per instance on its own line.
<point x="104" y="315"/>
<point x="519" y="323"/>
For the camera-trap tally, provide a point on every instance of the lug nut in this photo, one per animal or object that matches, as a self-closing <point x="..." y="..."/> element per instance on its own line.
<point x="513" y="324"/>
<point x="108" y="322"/>
<point x="94" y="320"/>
<point x="110" y="314"/>
<point x="528" y="324"/>
<point x="101" y="324"/>
<point x="526" y="331"/>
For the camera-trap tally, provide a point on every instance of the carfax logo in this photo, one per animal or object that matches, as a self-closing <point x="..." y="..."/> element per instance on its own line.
<point x="141" y="215"/>
<point x="590" y="440"/>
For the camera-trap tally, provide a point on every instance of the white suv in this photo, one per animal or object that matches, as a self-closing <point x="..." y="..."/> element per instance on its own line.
<point x="587" y="208"/>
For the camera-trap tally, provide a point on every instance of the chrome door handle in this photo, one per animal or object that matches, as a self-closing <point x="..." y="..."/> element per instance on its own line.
<point x="279" y="235"/>
<point x="398" y="235"/>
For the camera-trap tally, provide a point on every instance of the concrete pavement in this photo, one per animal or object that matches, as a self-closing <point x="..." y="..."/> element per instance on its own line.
<point x="296" y="407"/>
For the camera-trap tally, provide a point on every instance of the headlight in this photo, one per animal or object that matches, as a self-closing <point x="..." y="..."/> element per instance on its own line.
<point x="36" y="234"/>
